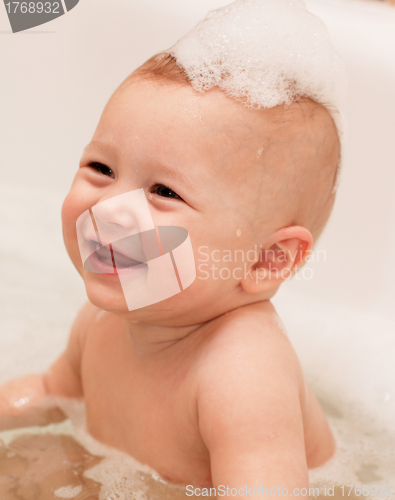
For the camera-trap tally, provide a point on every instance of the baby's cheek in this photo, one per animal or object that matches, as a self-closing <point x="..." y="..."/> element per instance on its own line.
<point x="73" y="206"/>
<point x="75" y="203"/>
<point x="68" y="209"/>
<point x="70" y="212"/>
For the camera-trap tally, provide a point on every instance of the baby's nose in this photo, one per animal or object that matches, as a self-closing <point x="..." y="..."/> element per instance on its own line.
<point x="122" y="215"/>
<point x="115" y="211"/>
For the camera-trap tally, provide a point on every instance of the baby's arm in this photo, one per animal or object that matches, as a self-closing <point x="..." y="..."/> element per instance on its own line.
<point x="249" y="410"/>
<point x="26" y="401"/>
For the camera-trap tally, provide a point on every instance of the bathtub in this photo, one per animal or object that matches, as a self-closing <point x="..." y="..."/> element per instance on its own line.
<point x="339" y="312"/>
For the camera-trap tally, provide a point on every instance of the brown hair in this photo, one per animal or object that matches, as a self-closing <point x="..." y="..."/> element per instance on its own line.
<point x="162" y="66"/>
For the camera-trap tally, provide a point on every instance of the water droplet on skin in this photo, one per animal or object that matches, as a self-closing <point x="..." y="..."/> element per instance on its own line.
<point x="150" y="196"/>
<point x="238" y="233"/>
<point x="21" y="402"/>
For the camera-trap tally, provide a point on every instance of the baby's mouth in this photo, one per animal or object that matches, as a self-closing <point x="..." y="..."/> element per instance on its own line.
<point x="108" y="255"/>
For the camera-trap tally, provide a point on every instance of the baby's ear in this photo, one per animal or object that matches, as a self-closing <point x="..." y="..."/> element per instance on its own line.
<point x="278" y="259"/>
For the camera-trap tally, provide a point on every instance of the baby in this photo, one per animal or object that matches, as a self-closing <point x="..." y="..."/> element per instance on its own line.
<point x="204" y="386"/>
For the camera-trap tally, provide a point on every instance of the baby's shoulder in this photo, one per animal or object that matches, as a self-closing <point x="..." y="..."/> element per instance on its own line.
<point x="249" y="359"/>
<point x="251" y="338"/>
<point x="256" y="323"/>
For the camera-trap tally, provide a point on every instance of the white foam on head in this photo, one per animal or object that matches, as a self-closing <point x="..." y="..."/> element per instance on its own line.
<point x="265" y="51"/>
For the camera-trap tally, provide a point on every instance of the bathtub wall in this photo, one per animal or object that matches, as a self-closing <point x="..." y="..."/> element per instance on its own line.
<point x="360" y="238"/>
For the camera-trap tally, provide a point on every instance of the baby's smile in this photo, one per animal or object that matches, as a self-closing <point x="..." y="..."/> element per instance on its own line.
<point x="111" y="260"/>
<point x="122" y="260"/>
<point x="152" y="265"/>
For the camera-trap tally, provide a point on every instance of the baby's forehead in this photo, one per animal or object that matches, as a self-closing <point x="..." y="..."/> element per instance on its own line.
<point x="223" y="126"/>
<point x="227" y="116"/>
<point x="180" y="101"/>
<point x="214" y="109"/>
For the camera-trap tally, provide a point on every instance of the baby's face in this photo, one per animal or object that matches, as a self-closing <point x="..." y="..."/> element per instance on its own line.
<point x="197" y="158"/>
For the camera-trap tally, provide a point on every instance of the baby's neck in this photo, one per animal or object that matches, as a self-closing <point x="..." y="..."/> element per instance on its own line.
<point x="150" y="339"/>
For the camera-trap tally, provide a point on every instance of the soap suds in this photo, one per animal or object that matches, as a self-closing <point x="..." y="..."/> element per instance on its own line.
<point x="266" y="52"/>
<point x="356" y="460"/>
<point x="68" y="491"/>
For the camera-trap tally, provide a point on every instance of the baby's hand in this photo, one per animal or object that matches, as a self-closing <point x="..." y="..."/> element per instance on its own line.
<point x="25" y="402"/>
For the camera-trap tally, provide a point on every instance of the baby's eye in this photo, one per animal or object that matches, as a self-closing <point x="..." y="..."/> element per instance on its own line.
<point x="166" y="192"/>
<point x="102" y="169"/>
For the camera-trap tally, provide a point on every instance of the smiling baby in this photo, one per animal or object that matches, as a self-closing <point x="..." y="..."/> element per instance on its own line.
<point x="202" y="386"/>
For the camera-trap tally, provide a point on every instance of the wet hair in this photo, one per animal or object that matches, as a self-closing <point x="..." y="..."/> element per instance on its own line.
<point x="162" y="67"/>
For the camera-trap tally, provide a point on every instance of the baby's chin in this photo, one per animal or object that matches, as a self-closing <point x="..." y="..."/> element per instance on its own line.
<point x="105" y="292"/>
<point x="103" y="295"/>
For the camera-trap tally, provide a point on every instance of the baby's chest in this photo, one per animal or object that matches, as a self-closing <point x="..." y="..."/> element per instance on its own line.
<point x="153" y="418"/>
